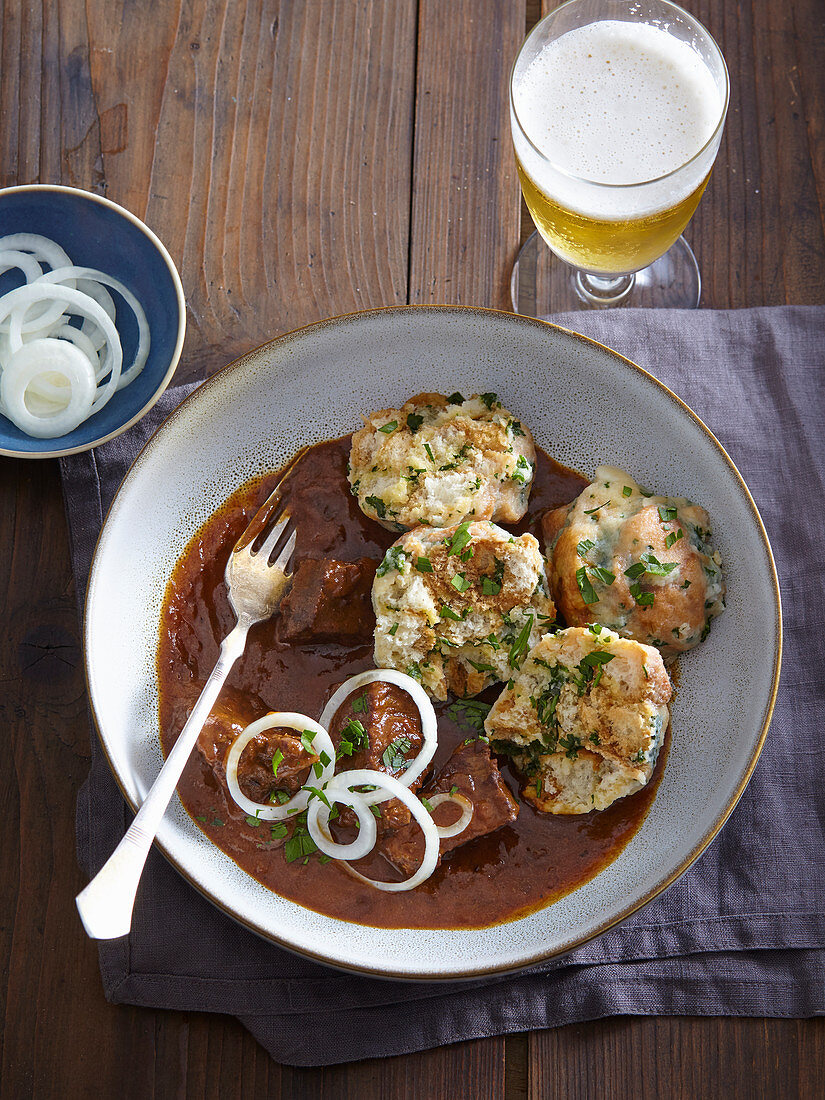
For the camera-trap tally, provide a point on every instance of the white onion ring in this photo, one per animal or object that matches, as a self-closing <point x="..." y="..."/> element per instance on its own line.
<point x="289" y="720"/>
<point x="394" y="789"/>
<point x="79" y="338"/>
<point x="89" y="276"/>
<point x="48" y="356"/>
<point x="429" y="723"/>
<point x="318" y="823"/>
<point x="446" y="831"/>
<point x="10" y="258"/>
<point x="17" y="303"/>
<point x="44" y="248"/>
<point x="51" y="253"/>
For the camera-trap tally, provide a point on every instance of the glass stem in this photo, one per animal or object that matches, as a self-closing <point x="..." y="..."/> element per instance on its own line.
<point x="602" y="290"/>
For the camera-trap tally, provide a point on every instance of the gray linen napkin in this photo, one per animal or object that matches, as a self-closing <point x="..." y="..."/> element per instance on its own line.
<point x="741" y="933"/>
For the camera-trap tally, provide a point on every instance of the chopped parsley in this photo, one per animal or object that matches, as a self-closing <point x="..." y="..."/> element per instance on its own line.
<point x="253" y="821"/>
<point x="592" y="665"/>
<point x="448" y="613"/>
<point x="674" y="536"/>
<point x="456" y="399"/>
<point x="394" y="755"/>
<point x="392" y="629"/>
<point x="602" y="574"/>
<point x="353" y="737"/>
<point x="584" y="546"/>
<point x="389" y="428"/>
<point x="644" y="599"/>
<point x="378" y="506"/>
<point x="460" y="582"/>
<point x="585" y="587"/>
<point x="277" y="760"/>
<point x="460" y="538"/>
<point x="666" y="514"/>
<point x="491" y="586"/>
<point x="469" y="713"/>
<point x="627" y="491"/>
<point x="359" y="704"/>
<point x="393" y="559"/>
<point x="414" y="422"/>
<point x="490" y="400"/>
<point x="307" y="737"/>
<point x="423" y="565"/>
<point x="520" y="645"/>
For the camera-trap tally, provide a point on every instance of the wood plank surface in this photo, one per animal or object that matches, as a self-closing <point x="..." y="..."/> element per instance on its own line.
<point x="304" y="158"/>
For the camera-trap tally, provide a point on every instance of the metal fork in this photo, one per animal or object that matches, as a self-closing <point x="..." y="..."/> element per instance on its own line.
<point x="255" y="590"/>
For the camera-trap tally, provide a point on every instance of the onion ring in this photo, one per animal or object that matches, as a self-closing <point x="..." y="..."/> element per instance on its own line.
<point x="429" y="723"/>
<point x="318" y="815"/>
<point x="89" y="276"/>
<point x="11" y="258"/>
<point x="394" y="789"/>
<point x="458" y="826"/>
<point x="48" y="357"/>
<point x="298" y="802"/>
<point x="17" y="303"/>
<point x="51" y="253"/>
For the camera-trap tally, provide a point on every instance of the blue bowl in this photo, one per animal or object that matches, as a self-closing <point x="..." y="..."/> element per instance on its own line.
<point x="98" y="233"/>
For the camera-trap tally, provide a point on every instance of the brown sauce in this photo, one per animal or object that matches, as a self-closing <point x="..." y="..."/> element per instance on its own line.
<point x="500" y="877"/>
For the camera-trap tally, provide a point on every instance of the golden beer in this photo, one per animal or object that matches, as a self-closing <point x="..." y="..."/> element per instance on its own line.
<point x="617" y="109"/>
<point x="606" y="246"/>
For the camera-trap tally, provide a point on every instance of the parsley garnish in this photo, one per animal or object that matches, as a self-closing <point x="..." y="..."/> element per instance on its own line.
<point x="392" y="629"/>
<point x="389" y="428"/>
<point x="448" y="613"/>
<point x="469" y="713"/>
<point x="666" y="514"/>
<point x="490" y="400"/>
<point x="307" y="737"/>
<point x="393" y="559"/>
<point x="603" y="575"/>
<point x="377" y="505"/>
<point x="414" y="422"/>
<point x="627" y="491"/>
<point x="584" y="546"/>
<point x="460" y="538"/>
<point x="460" y="582"/>
<point x="644" y="599"/>
<point x="519" y="646"/>
<point x="253" y="821"/>
<point x="277" y="759"/>
<point x="585" y="587"/>
<point x="423" y="565"/>
<point x="394" y="756"/>
<point x="455" y="399"/>
<point x="429" y="452"/>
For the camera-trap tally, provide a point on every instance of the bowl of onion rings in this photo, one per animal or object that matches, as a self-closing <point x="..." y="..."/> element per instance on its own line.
<point x="92" y="320"/>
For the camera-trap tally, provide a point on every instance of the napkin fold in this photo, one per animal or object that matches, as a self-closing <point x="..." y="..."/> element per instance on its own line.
<point x="741" y="933"/>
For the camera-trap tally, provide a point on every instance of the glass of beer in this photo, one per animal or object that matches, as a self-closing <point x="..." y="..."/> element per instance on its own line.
<point x="617" y="109"/>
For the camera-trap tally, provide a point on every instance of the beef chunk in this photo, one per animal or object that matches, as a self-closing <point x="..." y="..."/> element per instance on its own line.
<point x="228" y="718"/>
<point x="329" y="601"/>
<point x="256" y="776"/>
<point x="474" y="773"/>
<point x="378" y="727"/>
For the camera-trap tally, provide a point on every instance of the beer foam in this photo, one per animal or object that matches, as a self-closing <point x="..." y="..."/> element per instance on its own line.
<point x="617" y="102"/>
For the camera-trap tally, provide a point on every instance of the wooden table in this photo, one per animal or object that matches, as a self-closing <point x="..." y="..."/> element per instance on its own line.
<point x="301" y="159"/>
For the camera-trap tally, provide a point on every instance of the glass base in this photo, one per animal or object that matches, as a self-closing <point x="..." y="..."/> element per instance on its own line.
<point x="542" y="284"/>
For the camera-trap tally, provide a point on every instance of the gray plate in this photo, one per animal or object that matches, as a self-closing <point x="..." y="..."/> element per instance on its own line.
<point x="587" y="406"/>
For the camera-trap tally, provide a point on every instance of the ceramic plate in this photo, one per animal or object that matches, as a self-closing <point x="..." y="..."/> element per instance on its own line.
<point x="587" y="406"/>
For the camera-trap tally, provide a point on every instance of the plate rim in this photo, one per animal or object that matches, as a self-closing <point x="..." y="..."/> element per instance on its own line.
<point x="536" y="958"/>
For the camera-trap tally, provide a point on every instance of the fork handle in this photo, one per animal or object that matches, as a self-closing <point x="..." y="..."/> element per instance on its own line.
<point x="106" y="905"/>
